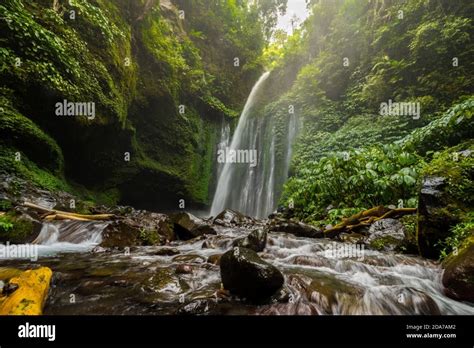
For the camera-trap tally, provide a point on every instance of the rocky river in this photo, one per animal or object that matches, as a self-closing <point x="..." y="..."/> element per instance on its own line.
<point x="291" y="274"/>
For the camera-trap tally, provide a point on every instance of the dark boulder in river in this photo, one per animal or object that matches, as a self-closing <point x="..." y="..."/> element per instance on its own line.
<point x="245" y="274"/>
<point x="256" y="240"/>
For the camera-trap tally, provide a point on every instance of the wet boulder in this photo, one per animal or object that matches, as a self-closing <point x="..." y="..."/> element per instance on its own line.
<point x="184" y="269"/>
<point x="446" y="197"/>
<point x="297" y="228"/>
<point x="231" y="218"/>
<point x="138" y="228"/>
<point x="190" y="258"/>
<point x="458" y="276"/>
<point x="327" y="291"/>
<point x="214" y="259"/>
<point x="246" y="275"/>
<point x="435" y="217"/>
<point x="165" y="252"/>
<point x="256" y="240"/>
<point x="188" y="226"/>
<point x="24" y="229"/>
<point x="386" y="235"/>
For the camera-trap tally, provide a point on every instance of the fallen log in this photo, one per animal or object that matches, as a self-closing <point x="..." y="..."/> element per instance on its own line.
<point x="51" y="214"/>
<point x="366" y="218"/>
<point x="30" y="296"/>
<point x="72" y="217"/>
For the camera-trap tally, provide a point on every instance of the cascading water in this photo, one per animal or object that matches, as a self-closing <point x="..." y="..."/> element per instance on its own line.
<point x="69" y="236"/>
<point x="246" y="187"/>
<point x="63" y="236"/>
<point x="223" y="143"/>
<point x="146" y="280"/>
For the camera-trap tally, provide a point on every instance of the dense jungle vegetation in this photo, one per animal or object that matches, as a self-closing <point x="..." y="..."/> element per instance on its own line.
<point x="165" y="75"/>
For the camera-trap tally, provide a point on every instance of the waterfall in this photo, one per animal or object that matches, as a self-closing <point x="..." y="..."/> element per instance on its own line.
<point x="254" y="189"/>
<point x="223" y="143"/>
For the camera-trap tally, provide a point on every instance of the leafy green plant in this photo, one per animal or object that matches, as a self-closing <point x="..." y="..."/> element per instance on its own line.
<point x="6" y="224"/>
<point x="379" y="175"/>
<point x="447" y="130"/>
<point x="458" y="234"/>
<point x="5" y="205"/>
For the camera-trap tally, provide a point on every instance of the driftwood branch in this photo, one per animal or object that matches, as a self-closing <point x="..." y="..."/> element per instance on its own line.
<point x="51" y="214"/>
<point x="366" y="218"/>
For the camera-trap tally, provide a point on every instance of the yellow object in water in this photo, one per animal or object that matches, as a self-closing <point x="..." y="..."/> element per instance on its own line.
<point x="29" y="298"/>
<point x="7" y="273"/>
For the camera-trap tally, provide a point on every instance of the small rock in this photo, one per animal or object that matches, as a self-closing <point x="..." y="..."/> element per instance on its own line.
<point x="9" y="289"/>
<point x="214" y="259"/>
<point x="98" y="249"/>
<point x="326" y="290"/>
<point x="188" y="226"/>
<point x="166" y="252"/>
<point x="207" y="245"/>
<point x="354" y="238"/>
<point x="184" y="269"/>
<point x="297" y="228"/>
<point x="386" y="235"/>
<point x="196" y="307"/>
<point x="245" y="274"/>
<point x="191" y="258"/>
<point x="256" y="240"/>
<point x="230" y="217"/>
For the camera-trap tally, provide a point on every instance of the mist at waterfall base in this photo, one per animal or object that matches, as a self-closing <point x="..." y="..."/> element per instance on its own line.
<point x="254" y="190"/>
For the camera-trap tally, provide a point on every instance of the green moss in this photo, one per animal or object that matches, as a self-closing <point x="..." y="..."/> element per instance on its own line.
<point x="20" y="132"/>
<point x="382" y="242"/>
<point x="53" y="55"/>
<point x="26" y="169"/>
<point x="456" y="164"/>
<point x="137" y="63"/>
<point x="410" y="243"/>
<point x="14" y="229"/>
<point x="149" y="237"/>
<point x="199" y="174"/>
<point x="215" y="104"/>
<point x="461" y="249"/>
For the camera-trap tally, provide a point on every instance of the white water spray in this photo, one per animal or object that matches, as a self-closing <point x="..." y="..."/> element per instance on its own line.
<point x="249" y="189"/>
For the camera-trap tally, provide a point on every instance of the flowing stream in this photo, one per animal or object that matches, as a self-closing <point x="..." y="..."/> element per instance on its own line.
<point x="149" y="280"/>
<point x="68" y="236"/>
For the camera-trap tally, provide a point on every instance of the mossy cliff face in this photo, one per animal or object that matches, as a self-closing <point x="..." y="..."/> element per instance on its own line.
<point x="157" y="117"/>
